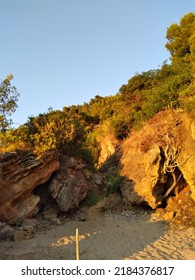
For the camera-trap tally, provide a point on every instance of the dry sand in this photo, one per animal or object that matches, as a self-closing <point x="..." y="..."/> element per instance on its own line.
<point x="111" y="237"/>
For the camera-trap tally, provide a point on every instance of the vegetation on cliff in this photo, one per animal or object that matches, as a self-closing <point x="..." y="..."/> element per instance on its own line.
<point x="76" y="129"/>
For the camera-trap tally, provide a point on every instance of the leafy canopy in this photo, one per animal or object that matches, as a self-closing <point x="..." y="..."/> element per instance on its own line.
<point x="8" y="102"/>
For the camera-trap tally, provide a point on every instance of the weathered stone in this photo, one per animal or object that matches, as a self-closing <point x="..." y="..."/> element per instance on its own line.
<point x="70" y="185"/>
<point x="20" y="174"/>
<point x="51" y="215"/>
<point x="52" y="218"/>
<point x="130" y="194"/>
<point x="107" y="144"/>
<point x="98" y="179"/>
<point x="6" y="233"/>
<point x="25" y="208"/>
<point x="23" y="234"/>
<point x="154" y="158"/>
<point x="144" y="171"/>
<point x="68" y="192"/>
<point x="30" y="223"/>
<point x="82" y="217"/>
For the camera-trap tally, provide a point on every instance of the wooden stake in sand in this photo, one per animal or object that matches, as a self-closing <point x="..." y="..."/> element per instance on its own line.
<point x="77" y="244"/>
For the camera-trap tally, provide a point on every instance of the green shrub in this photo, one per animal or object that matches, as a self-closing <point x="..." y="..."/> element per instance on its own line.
<point x="114" y="184"/>
<point x="92" y="147"/>
<point x="92" y="198"/>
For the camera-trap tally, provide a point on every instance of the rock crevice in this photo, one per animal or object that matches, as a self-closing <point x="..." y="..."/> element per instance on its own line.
<point x="159" y="159"/>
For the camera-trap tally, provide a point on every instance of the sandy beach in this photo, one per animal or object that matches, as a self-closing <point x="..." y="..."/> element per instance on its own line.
<point x="127" y="235"/>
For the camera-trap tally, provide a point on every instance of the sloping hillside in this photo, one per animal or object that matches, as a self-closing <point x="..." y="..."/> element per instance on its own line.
<point x="139" y="143"/>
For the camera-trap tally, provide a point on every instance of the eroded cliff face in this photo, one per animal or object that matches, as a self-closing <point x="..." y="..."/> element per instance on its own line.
<point x="160" y="159"/>
<point x="157" y="162"/>
<point x="29" y="184"/>
<point x="20" y="174"/>
<point x="108" y="146"/>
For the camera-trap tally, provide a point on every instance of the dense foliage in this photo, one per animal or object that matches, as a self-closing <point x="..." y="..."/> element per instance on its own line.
<point x="76" y="129"/>
<point x="8" y="102"/>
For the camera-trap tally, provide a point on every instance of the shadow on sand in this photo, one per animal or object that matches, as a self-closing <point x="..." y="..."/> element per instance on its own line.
<point x="101" y="238"/>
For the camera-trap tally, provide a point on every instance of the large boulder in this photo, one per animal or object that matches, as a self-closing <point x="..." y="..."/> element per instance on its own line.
<point x="143" y="172"/>
<point x="20" y="174"/>
<point x="159" y="158"/>
<point x="71" y="183"/>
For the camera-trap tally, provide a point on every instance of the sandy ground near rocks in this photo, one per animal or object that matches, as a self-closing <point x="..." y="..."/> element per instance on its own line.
<point x="111" y="237"/>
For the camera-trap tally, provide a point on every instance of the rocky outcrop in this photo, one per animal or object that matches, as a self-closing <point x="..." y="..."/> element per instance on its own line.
<point x="143" y="172"/>
<point x="28" y="184"/>
<point x="107" y="149"/>
<point x="20" y="174"/>
<point x="71" y="183"/>
<point x="159" y="159"/>
<point x="107" y="143"/>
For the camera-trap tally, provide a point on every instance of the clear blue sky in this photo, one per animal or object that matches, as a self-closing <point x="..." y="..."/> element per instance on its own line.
<point x="64" y="52"/>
